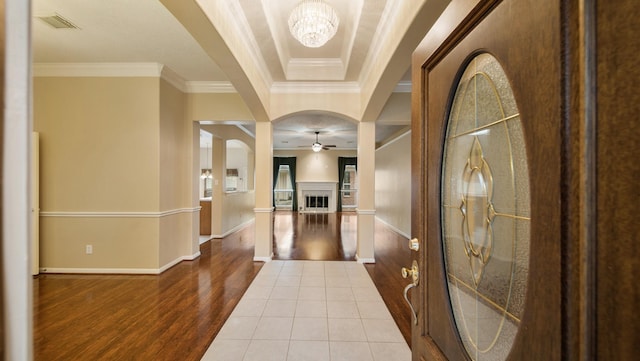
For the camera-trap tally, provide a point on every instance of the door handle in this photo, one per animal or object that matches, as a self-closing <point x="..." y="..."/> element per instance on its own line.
<point x="414" y="273"/>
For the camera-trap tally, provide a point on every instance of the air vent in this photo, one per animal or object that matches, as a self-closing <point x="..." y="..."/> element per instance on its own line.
<point x="58" y="22"/>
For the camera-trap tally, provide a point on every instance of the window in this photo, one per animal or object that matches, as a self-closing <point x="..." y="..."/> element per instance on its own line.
<point x="349" y="187"/>
<point x="283" y="191"/>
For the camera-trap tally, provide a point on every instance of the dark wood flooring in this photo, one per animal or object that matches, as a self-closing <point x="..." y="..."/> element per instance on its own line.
<point x="315" y="236"/>
<point x="176" y="315"/>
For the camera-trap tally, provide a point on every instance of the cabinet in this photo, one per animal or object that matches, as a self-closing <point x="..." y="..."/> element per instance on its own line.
<point x="205" y="217"/>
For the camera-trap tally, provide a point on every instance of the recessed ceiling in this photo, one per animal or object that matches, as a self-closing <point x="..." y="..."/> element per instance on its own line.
<point x="147" y="31"/>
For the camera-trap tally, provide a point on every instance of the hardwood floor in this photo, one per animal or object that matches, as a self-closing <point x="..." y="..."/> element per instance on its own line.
<point x="392" y="253"/>
<point x="176" y="315"/>
<point x="172" y="316"/>
<point x="314" y="236"/>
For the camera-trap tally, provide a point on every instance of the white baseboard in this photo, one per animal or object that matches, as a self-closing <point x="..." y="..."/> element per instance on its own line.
<point x="365" y="260"/>
<point x="398" y="231"/>
<point x="146" y="271"/>
<point x="178" y="260"/>
<point x="263" y="259"/>
<point x="151" y="271"/>
<point x="234" y="229"/>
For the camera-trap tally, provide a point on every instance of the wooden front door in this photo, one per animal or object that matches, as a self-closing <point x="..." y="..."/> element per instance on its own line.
<point x="525" y="143"/>
<point x="487" y="114"/>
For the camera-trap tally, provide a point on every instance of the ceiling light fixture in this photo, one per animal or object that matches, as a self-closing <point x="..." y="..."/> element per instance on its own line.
<point x="313" y="23"/>
<point x="316" y="147"/>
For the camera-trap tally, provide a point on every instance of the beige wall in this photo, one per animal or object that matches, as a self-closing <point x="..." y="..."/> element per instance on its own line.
<point x="237" y="210"/>
<point x="114" y="159"/>
<point x="316" y="167"/>
<point x="175" y="235"/>
<point x="95" y="134"/>
<point x="393" y="184"/>
<point x="217" y="107"/>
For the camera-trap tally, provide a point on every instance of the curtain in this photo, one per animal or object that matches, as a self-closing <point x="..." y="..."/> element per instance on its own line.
<point x="342" y="163"/>
<point x="292" y="174"/>
<point x="291" y="162"/>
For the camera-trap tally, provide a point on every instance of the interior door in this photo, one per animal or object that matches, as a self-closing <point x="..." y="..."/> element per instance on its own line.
<point x="487" y="183"/>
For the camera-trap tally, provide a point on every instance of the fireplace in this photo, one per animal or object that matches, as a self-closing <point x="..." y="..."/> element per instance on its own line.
<point x="316" y="202"/>
<point x="317" y="197"/>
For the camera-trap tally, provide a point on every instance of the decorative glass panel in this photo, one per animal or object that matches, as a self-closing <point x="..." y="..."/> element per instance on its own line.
<point x="485" y="211"/>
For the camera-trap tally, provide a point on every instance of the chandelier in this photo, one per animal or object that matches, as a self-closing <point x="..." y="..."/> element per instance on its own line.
<point x="313" y="23"/>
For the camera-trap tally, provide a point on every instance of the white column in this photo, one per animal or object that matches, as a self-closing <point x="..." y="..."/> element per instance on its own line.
<point x="218" y="156"/>
<point x="195" y="187"/>
<point x="16" y="271"/>
<point x="264" y="189"/>
<point x="366" y="191"/>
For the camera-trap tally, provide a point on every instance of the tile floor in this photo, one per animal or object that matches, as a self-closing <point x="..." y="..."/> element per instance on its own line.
<point x="310" y="310"/>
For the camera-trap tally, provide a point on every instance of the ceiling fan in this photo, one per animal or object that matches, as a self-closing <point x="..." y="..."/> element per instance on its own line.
<point x="317" y="146"/>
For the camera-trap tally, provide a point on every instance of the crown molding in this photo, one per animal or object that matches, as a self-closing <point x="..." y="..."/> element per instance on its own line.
<point x="119" y="70"/>
<point x="173" y="78"/>
<point x="210" y="87"/>
<point x="315" y="87"/>
<point x="97" y="69"/>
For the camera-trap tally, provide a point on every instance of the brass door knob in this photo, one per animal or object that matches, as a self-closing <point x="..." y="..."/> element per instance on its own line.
<point x="415" y="276"/>
<point x="412" y="272"/>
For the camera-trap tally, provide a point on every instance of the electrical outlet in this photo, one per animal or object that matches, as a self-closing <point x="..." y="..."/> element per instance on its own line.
<point x="89" y="249"/>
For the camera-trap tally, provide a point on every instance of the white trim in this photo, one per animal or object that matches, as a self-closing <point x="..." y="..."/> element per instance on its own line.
<point x="153" y="271"/>
<point x="393" y="228"/>
<point x="263" y="259"/>
<point x="120" y="214"/>
<point x="407" y="132"/>
<point x="404" y="86"/>
<point x="315" y="87"/>
<point x="131" y="70"/>
<point x="178" y="260"/>
<point x="97" y="69"/>
<point x="247" y="131"/>
<point x="263" y="210"/>
<point x="210" y="87"/>
<point x="365" y="260"/>
<point x="368" y="212"/>
<point x="173" y="78"/>
<point x="234" y="229"/>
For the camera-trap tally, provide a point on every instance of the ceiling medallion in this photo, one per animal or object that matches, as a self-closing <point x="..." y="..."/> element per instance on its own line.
<point x="477" y="211"/>
<point x="313" y="23"/>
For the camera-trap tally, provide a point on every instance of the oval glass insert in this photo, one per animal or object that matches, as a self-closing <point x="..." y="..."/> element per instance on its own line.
<point x="485" y="210"/>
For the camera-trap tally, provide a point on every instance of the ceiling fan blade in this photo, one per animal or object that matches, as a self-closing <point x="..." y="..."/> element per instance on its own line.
<point x="329" y="145"/>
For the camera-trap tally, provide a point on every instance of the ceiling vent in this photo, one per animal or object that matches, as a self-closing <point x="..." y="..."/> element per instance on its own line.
<point x="58" y="22"/>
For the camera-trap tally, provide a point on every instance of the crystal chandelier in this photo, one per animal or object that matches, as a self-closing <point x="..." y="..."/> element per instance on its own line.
<point x="313" y="23"/>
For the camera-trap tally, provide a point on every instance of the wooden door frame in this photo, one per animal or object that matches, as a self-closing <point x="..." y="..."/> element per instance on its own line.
<point x="453" y="28"/>
<point x="599" y="171"/>
<point x="430" y="51"/>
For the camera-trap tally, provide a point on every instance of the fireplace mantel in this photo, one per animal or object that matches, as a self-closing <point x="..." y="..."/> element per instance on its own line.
<point x="316" y="189"/>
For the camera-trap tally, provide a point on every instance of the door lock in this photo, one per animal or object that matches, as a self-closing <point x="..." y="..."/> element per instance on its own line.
<point x="414" y="244"/>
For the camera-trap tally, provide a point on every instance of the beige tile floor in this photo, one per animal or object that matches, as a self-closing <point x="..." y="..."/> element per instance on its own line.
<point x="310" y="310"/>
